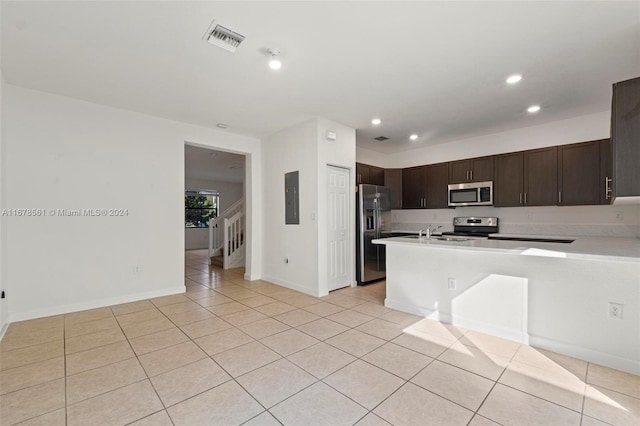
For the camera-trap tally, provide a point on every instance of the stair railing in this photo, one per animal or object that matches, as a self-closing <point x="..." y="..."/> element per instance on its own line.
<point x="216" y="232"/>
<point x="234" y="234"/>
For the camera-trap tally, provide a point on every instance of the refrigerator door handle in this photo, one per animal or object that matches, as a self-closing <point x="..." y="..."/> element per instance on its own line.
<point x="376" y="215"/>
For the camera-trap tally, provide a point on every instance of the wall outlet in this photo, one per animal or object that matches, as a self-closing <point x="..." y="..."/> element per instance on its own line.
<point x="619" y="216"/>
<point x="137" y="269"/>
<point x="451" y="283"/>
<point x="615" y="310"/>
<point x="529" y="217"/>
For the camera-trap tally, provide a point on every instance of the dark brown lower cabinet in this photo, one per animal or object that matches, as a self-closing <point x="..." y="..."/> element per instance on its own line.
<point x="579" y="174"/>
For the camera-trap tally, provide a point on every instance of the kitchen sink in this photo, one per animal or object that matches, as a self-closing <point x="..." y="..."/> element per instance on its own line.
<point x="439" y="238"/>
<point x="450" y="238"/>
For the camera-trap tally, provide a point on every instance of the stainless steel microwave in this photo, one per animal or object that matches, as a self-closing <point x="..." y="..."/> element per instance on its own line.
<point x="471" y="194"/>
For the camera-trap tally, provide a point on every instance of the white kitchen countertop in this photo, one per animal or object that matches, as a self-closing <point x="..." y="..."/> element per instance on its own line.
<point x="596" y="248"/>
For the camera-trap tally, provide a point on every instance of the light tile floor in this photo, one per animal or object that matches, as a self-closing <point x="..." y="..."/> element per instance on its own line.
<point x="230" y="351"/>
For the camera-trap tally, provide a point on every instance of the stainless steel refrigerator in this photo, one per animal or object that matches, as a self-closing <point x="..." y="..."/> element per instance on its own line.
<point x="374" y="221"/>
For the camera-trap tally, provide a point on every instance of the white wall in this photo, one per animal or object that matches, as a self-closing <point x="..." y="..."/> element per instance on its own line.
<point x="563" y="303"/>
<point x="4" y="305"/>
<point x="304" y="148"/>
<point x="63" y="153"/>
<point x="289" y="150"/>
<point x="561" y="132"/>
<point x="372" y="158"/>
<point x="341" y="153"/>
<point x="230" y="192"/>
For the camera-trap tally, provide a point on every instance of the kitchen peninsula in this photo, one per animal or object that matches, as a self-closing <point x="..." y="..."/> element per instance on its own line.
<point x="581" y="299"/>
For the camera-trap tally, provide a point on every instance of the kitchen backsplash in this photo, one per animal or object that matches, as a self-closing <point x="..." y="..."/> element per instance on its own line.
<point x="609" y="221"/>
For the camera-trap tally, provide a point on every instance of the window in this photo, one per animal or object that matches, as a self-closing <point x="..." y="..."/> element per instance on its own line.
<point x="199" y="207"/>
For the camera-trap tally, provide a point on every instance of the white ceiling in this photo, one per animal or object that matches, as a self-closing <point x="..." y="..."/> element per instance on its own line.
<point x="217" y="166"/>
<point x="433" y="68"/>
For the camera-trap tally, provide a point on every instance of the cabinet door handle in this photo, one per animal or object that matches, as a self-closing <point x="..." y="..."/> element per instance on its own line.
<point x="607" y="188"/>
<point x="471" y="174"/>
<point x="525" y="198"/>
<point x="520" y="198"/>
<point x="468" y="175"/>
<point x="559" y="197"/>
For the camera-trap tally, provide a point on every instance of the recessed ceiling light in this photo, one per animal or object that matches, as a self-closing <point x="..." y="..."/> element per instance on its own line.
<point x="413" y="137"/>
<point x="513" y="79"/>
<point x="222" y="125"/>
<point x="275" y="63"/>
<point x="533" y="108"/>
<point x="376" y="121"/>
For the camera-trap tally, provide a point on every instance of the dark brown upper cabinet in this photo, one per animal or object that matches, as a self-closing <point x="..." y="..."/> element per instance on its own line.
<point x="393" y="180"/>
<point x="625" y="136"/>
<point x="437" y="179"/>
<point x="471" y="170"/>
<point x="413" y="187"/>
<point x="579" y="174"/>
<point x="369" y="174"/>
<point x="606" y="171"/>
<point x="508" y="184"/>
<point x="425" y="187"/>
<point x="528" y="178"/>
<point x="541" y="177"/>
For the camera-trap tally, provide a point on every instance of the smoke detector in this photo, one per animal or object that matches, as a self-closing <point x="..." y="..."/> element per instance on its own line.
<point x="223" y="37"/>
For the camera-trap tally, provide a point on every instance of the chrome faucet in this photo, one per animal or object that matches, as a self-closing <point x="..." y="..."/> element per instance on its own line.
<point x="428" y="231"/>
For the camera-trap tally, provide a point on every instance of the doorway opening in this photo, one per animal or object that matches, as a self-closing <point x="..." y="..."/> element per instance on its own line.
<point x="214" y="206"/>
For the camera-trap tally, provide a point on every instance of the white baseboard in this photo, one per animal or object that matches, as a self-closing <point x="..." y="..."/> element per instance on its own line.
<point x="608" y="360"/>
<point x="291" y="286"/>
<point x="252" y="277"/>
<point x="92" y="304"/>
<point x="506" y="333"/>
<point x="406" y="307"/>
<point x="630" y="365"/>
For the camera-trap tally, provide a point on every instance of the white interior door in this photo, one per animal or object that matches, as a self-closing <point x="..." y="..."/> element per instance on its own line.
<point x="338" y="227"/>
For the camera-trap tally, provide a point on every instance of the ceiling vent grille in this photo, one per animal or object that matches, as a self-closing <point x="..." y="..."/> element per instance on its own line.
<point x="223" y="37"/>
<point x="381" y="138"/>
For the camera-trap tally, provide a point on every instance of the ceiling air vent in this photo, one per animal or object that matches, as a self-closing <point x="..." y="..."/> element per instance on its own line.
<point x="223" y="37"/>
<point x="381" y="138"/>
